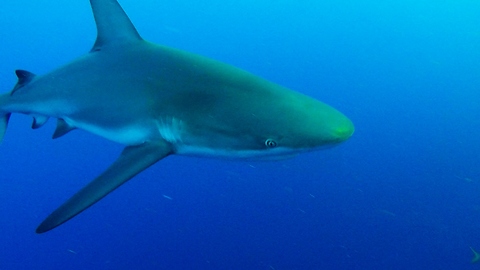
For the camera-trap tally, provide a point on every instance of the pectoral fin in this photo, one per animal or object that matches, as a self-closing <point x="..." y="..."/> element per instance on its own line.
<point x="132" y="161"/>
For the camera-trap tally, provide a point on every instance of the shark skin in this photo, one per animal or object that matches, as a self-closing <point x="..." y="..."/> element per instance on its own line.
<point x="159" y="101"/>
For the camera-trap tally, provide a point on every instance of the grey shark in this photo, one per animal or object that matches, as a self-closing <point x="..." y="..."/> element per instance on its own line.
<point x="159" y="101"/>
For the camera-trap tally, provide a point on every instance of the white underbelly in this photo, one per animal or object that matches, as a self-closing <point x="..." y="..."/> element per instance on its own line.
<point x="133" y="134"/>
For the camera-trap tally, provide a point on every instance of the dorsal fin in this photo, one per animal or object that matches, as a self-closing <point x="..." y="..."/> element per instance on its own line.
<point x="24" y="77"/>
<point x="113" y="24"/>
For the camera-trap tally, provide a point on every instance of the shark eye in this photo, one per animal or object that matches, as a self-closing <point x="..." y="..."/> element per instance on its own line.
<point x="270" y="143"/>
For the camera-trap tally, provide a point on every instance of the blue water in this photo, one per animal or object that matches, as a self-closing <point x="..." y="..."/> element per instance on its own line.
<point x="402" y="193"/>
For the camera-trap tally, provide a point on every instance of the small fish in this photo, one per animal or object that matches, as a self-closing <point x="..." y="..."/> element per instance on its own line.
<point x="167" y="197"/>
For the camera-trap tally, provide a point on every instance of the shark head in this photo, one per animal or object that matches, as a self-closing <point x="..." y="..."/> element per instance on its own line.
<point x="257" y="120"/>
<point x="296" y="123"/>
<point x="307" y="124"/>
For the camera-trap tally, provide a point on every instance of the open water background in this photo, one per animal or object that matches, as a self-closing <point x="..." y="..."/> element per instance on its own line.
<point x="402" y="193"/>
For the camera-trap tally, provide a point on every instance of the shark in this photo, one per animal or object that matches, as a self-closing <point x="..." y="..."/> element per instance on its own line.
<point x="160" y="101"/>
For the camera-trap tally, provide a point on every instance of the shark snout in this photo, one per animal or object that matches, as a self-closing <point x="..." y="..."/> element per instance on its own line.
<point x="343" y="130"/>
<point x="324" y="127"/>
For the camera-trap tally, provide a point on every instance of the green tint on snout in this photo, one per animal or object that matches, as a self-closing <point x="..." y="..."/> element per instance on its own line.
<point x="330" y="127"/>
<point x="315" y="124"/>
<point x="344" y="130"/>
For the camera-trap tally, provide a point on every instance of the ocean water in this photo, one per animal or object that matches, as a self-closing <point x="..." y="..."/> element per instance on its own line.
<point x="402" y="193"/>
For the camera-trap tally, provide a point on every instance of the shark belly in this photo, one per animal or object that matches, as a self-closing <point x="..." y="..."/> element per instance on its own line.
<point x="132" y="134"/>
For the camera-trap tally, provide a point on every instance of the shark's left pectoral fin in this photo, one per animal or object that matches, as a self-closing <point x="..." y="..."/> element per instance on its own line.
<point x="132" y="161"/>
